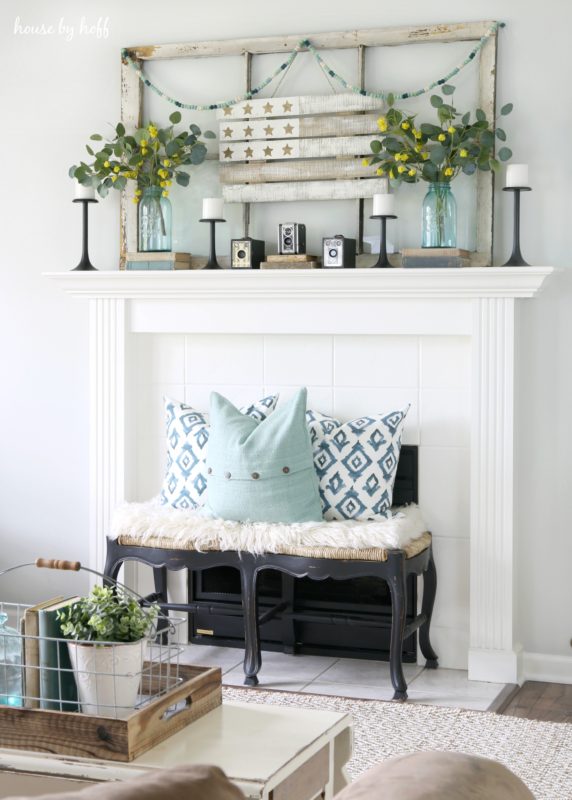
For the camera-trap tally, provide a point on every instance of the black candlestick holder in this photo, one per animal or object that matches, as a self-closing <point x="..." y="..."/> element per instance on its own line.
<point x="383" y="261"/>
<point x="516" y="259"/>
<point x="85" y="264"/>
<point x="212" y="263"/>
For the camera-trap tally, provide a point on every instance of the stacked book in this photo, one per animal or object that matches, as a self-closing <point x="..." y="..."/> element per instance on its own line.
<point x="163" y="261"/>
<point x="436" y="257"/>
<point x="299" y="261"/>
<point x="49" y="682"/>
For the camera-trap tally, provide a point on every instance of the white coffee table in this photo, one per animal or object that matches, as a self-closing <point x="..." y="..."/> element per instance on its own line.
<point x="268" y="751"/>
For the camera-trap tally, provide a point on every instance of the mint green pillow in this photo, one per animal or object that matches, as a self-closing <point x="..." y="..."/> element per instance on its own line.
<point x="261" y="470"/>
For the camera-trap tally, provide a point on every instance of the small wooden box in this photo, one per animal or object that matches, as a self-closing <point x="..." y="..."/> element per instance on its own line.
<point x="76" y="734"/>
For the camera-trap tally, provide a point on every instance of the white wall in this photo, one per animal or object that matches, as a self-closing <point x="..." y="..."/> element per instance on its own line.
<point x="56" y="92"/>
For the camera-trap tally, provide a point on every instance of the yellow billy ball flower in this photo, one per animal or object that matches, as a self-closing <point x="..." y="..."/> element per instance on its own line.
<point x="401" y="168"/>
<point x="166" y="162"/>
<point x="114" y="178"/>
<point x="379" y="171"/>
<point x="106" y="164"/>
<point x="412" y="172"/>
<point x="391" y="173"/>
<point x="397" y="156"/>
<point x="143" y="142"/>
<point x="404" y="157"/>
<point x="441" y="137"/>
<point x="449" y="171"/>
<point x="116" y="169"/>
<point x="464" y="153"/>
<point x="152" y="131"/>
<point x="162" y="183"/>
<point x="165" y="193"/>
<point x="382" y="124"/>
<point x="144" y="151"/>
<point x="451" y="129"/>
<point x="417" y="133"/>
<point x="405" y="125"/>
<point x="425" y="156"/>
<point x="365" y="162"/>
<point x="169" y="183"/>
<point x="417" y="148"/>
<point x="138" y="192"/>
<point x="135" y="199"/>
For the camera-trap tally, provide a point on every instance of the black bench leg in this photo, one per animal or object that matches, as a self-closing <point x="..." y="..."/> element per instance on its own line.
<point x="252" y="655"/>
<point x="429" y="591"/>
<point x="397" y="588"/>
<point x="160" y="581"/>
<point x="111" y="569"/>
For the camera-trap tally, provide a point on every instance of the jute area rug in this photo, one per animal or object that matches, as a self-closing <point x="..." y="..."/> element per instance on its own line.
<point x="540" y="753"/>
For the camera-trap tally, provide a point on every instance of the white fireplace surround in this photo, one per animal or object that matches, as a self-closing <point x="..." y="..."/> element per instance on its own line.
<point x="477" y="304"/>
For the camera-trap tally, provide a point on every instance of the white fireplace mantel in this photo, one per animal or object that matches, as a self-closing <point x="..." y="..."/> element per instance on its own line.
<point x="477" y="302"/>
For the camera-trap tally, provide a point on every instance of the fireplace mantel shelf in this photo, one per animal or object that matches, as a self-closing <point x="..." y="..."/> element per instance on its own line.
<point x="474" y="282"/>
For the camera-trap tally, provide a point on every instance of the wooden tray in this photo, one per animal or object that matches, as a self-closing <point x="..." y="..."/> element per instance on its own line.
<point x="75" y="734"/>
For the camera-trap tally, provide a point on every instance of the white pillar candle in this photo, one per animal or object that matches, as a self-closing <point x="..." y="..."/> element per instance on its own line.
<point x="383" y="205"/>
<point x="517" y="175"/>
<point x="212" y="208"/>
<point x="84" y="192"/>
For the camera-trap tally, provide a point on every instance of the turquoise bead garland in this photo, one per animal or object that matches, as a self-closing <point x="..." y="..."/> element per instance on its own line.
<point x="305" y="44"/>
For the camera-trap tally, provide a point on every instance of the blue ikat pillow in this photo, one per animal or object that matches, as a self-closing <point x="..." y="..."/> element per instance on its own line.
<point x="188" y="430"/>
<point x="356" y="463"/>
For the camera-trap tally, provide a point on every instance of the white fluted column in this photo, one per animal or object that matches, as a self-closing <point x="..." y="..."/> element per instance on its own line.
<point x="494" y="654"/>
<point x="107" y="419"/>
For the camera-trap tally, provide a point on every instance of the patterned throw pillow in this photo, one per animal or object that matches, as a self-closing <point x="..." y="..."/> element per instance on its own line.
<point x="188" y="432"/>
<point x="356" y="463"/>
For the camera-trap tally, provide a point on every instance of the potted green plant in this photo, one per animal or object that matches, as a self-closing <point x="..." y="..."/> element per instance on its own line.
<point x="408" y="152"/>
<point x="151" y="157"/>
<point x="110" y="632"/>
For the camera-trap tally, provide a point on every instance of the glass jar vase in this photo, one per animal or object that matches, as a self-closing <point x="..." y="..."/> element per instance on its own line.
<point x="155" y="219"/>
<point x="439" y="216"/>
<point x="10" y="664"/>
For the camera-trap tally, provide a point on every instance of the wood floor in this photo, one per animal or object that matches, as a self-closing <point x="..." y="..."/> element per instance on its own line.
<point x="550" y="702"/>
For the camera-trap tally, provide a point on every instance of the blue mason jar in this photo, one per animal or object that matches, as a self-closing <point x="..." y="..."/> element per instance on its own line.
<point x="439" y="216"/>
<point x="155" y="219"/>
<point x="11" y="644"/>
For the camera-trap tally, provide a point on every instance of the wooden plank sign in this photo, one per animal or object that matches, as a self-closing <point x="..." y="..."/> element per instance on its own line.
<point x="298" y="148"/>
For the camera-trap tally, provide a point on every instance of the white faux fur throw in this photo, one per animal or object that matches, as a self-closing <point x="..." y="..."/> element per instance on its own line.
<point x="142" y="520"/>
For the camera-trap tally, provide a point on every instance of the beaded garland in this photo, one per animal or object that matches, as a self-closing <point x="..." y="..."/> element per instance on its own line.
<point x="305" y="44"/>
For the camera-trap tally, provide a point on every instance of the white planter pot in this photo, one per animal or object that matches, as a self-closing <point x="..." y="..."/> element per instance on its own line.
<point x="108" y="676"/>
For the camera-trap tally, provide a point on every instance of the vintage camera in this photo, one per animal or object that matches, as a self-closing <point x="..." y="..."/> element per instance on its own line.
<point x="338" y="252"/>
<point x="291" y="238"/>
<point x="247" y="253"/>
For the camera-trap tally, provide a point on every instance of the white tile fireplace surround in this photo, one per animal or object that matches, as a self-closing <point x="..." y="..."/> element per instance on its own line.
<point x="361" y="340"/>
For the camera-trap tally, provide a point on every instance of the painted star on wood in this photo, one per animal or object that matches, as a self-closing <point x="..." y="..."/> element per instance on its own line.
<point x="248" y="131"/>
<point x="268" y="107"/>
<point x="248" y="152"/>
<point x="228" y="153"/>
<point x="247" y="109"/>
<point x="287" y="150"/>
<point x="269" y="130"/>
<point x="287" y="106"/>
<point x="228" y="111"/>
<point x="288" y="129"/>
<point x="267" y="151"/>
<point x="228" y="132"/>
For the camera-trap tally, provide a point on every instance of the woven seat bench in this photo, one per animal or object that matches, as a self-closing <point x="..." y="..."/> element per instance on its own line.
<point x="152" y="543"/>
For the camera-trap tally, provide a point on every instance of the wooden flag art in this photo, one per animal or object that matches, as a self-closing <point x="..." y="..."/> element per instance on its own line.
<point x="298" y="148"/>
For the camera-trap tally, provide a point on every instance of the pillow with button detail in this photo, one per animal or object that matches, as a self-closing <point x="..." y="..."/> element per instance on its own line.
<point x="356" y="463"/>
<point x="262" y="471"/>
<point x="185" y="482"/>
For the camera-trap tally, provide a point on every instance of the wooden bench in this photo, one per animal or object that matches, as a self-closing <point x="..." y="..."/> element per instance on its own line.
<point x="393" y="566"/>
